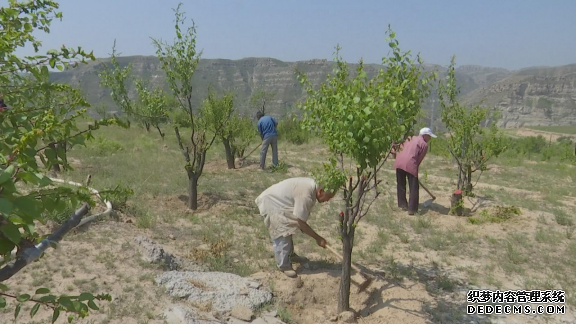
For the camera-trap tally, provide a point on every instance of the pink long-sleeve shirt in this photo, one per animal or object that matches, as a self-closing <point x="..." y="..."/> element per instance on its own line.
<point x="411" y="154"/>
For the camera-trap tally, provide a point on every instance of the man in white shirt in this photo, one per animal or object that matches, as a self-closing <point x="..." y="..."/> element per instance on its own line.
<point x="286" y="207"/>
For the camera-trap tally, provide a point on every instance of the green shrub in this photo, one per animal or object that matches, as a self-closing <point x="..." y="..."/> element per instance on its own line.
<point x="117" y="196"/>
<point x="291" y="130"/>
<point x="499" y="215"/>
<point x="104" y="146"/>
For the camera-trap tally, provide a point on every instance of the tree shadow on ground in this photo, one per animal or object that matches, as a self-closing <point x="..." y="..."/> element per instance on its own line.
<point x="443" y="210"/>
<point x="440" y="287"/>
<point x="206" y="200"/>
<point x="480" y="202"/>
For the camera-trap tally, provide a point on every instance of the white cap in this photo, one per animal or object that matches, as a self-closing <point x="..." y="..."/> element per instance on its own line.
<point x="427" y="131"/>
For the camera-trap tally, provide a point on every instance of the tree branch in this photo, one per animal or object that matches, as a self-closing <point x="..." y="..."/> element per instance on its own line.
<point x="31" y="254"/>
<point x="30" y="300"/>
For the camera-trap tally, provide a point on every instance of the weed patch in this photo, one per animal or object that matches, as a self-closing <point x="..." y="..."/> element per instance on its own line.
<point x="500" y="214"/>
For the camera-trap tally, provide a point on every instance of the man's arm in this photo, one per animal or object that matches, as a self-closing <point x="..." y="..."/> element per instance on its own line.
<point x="422" y="153"/>
<point x="260" y="130"/>
<point x="304" y="227"/>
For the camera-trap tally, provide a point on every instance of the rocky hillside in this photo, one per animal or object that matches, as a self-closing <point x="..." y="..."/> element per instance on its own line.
<point x="530" y="97"/>
<point x="538" y="96"/>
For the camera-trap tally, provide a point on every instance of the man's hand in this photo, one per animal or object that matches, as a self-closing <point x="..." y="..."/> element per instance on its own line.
<point x="310" y="232"/>
<point x="321" y="242"/>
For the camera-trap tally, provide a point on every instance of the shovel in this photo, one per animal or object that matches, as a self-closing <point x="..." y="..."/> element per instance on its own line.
<point x="367" y="279"/>
<point x="429" y="202"/>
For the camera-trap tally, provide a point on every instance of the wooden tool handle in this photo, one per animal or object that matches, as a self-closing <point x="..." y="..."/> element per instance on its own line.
<point x="428" y="191"/>
<point x="341" y="258"/>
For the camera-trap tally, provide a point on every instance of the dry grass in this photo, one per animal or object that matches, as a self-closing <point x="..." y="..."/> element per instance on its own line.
<point x="438" y="252"/>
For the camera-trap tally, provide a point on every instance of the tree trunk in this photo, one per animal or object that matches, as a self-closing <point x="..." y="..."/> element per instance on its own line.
<point x="344" y="297"/>
<point x="147" y="125"/>
<point x="55" y="166"/>
<point x="229" y="153"/>
<point x="192" y="190"/>
<point x="468" y="187"/>
<point x="160" y="131"/>
<point x="460" y="180"/>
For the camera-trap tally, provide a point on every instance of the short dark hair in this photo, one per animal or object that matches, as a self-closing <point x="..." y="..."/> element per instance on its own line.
<point x="259" y="115"/>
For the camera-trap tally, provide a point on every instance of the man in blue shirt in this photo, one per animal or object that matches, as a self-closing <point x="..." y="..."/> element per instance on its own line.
<point x="267" y="129"/>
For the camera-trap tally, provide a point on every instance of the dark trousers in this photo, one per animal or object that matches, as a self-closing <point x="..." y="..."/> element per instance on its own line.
<point x="401" y="176"/>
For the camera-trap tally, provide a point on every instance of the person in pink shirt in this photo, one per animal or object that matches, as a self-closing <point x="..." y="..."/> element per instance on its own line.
<point x="408" y="159"/>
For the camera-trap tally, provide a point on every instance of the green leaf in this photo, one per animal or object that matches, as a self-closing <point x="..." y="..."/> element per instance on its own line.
<point x="67" y="303"/>
<point x="70" y="318"/>
<point x="367" y="110"/>
<point x="23" y="298"/>
<point x="366" y="139"/>
<point x="60" y="67"/>
<point x="6" y="246"/>
<point x="7" y="174"/>
<point x="17" y="310"/>
<point x="34" y="310"/>
<point x="42" y="291"/>
<point x="6" y="206"/>
<point x="92" y="305"/>
<point x="356" y="100"/>
<point x="11" y="232"/>
<point x="48" y="299"/>
<point x="2" y="302"/>
<point x="85" y="296"/>
<point x="3" y="287"/>
<point x="28" y="206"/>
<point x="29" y="177"/>
<point x="55" y="315"/>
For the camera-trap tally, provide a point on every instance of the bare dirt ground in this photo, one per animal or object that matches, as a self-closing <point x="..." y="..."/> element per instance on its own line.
<point x="423" y="264"/>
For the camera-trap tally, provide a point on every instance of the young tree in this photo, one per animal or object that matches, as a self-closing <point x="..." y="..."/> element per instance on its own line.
<point x="150" y="107"/>
<point x="470" y="141"/>
<point x="63" y="100"/>
<point x="359" y="119"/>
<point x="179" y="61"/>
<point x="244" y="135"/>
<point x="28" y="130"/>
<point x="260" y="98"/>
<point x="235" y="132"/>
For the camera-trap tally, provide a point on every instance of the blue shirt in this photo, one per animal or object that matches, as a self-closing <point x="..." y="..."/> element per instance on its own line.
<point x="267" y="127"/>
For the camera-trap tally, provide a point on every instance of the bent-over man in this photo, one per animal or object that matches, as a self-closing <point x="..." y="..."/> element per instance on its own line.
<point x="286" y="207"/>
<point x="267" y="129"/>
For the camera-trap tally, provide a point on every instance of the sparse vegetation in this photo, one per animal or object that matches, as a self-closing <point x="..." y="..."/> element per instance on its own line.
<point x="519" y="229"/>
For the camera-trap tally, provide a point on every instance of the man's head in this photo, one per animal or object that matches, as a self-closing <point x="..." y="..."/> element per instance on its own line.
<point x="259" y="115"/>
<point x="427" y="134"/>
<point x="323" y="196"/>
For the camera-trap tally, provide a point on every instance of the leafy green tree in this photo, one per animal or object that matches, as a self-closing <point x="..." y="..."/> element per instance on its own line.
<point x="217" y="115"/>
<point x="234" y="131"/>
<point x="150" y="108"/>
<point x="359" y="119"/>
<point x="29" y="130"/>
<point x="179" y="61"/>
<point x="292" y="130"/>
<point x="244" y="135"/>
<point x="260" y="98"/>
<point x="63" y="100"/>
<point x="470" y="141"/>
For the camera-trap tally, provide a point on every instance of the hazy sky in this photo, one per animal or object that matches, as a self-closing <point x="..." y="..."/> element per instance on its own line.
<point x="507" y="33"/>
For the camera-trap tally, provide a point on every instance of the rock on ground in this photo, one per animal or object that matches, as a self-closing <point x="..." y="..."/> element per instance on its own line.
<point x="223" y="290"/>
<point x="346" y="317"/>
<point x="184" y="315"/>
<point x="242" y="312"/>
<point x="155" y="253"/>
